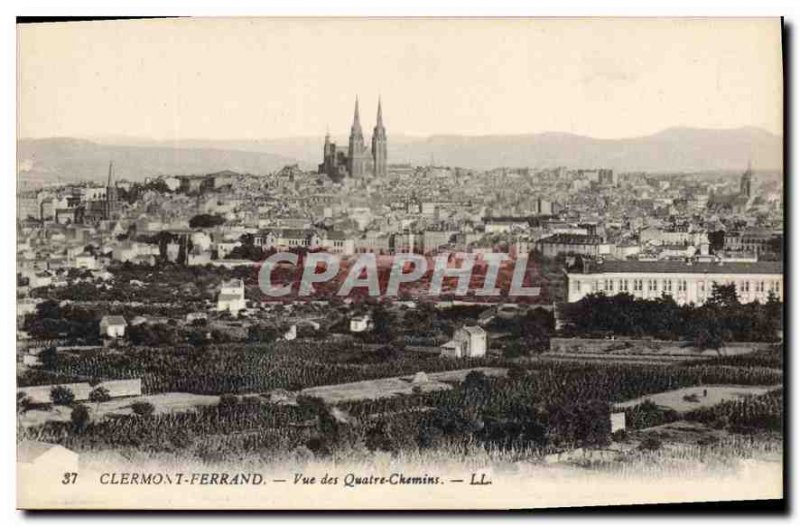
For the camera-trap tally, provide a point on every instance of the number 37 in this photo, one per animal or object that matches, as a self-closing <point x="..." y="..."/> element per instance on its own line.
<point x="69" y="478"/>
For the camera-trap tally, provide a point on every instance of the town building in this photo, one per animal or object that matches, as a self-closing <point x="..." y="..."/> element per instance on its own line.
<point x="573" y="244"/>
<point x="468" y="341"/>
<point x="361" y="323"/>
<point x="686" y="282"/>
<point x="113" y="326"/>
<point x="231" y="296"/>
<point x="754" y="241"/>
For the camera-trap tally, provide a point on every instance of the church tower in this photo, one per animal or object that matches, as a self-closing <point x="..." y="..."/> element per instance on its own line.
<point x="357" y="156"/>
<point x="111" y="194"/>
<point x="379" y="145"/>
<point x="746" y="182"/>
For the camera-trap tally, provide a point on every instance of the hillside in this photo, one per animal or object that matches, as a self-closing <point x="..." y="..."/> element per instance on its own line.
<point x="64" y="160"/>
<point x="672" y="150"/>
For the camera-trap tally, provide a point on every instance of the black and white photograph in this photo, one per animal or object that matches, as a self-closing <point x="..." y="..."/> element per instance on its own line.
<point x="355" y="263"/>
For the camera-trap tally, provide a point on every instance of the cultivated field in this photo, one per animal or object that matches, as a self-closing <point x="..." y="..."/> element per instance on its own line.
<point x="714" y="394"/>
<point x="163" y="403"/>
<point x="388" y="387"/>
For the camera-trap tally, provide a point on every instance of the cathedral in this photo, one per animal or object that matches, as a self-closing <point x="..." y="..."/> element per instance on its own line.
<point x="356" y="161"/>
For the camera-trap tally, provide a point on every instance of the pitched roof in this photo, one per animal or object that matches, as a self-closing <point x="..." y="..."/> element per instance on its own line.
<point x="474" y="330"/>
<point x="113" y="320"/>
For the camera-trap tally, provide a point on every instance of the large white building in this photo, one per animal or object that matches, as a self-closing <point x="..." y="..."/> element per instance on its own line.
<point x="686" y="282"/>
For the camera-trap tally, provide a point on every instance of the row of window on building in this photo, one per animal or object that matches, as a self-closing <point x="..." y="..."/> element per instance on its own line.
<point x="670" y="285"/>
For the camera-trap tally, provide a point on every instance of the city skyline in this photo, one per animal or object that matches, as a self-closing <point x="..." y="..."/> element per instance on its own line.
<point x="719" y="74"/>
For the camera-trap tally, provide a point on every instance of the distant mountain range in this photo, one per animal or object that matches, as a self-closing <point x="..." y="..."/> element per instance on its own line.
<point x="672" y="150"/>
<point x="66" y="160"/>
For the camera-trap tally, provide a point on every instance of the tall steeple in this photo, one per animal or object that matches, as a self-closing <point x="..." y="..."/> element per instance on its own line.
<point x="110" y="173"/>
<point x="379" y="145"/>
<point x="357" y="156"/>
<point x="746" y="181"/>
<point x="111" y="193"/>
<point x="355" y="129"/>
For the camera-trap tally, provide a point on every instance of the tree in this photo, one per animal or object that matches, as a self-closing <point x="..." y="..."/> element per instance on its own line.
<point x="79" y="417"/>
<point x="206" y="221"/>
<point x="151" y="335"/>
<point x="716" y="240"/>
<point x="723" y="296"/>
<point x="387" y="353"/>
<point x="382" y="325"/>
<point x="197" y="338"/>
<point x="517" y="372"/>
<point x="143" y="408"/>
<point x="61" y="395"/>
<point x="514" y="349"/>
<point x="650" y="443"/>
<point x="709" y="338"/>
<point x="99" y="394"/>
<point x="378" y="438"/>
<point x="23" y="402"/>
<point x="49" y="358"/>
<point x="227" y="401"/>
<point x="476" y="380"/>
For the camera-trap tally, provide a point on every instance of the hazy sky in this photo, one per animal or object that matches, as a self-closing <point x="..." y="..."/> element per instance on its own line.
<point x="261" y="78"/>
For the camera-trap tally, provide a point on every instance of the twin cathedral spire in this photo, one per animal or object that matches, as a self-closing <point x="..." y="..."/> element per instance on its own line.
<point x="357" y="161"/>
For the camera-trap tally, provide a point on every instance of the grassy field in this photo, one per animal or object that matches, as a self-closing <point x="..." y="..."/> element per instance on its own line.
<point x="388" y="387"/>
<point x="163" y="403"/>
<point x="715" y="394"/>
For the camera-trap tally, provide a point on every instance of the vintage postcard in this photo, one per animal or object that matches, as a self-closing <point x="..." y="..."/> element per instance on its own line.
<point x="399" y="264"/>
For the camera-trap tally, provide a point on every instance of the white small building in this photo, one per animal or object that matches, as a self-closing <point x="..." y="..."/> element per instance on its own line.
<point x="40" y="279"/>
<point x="173" y="183"/>
<point x="31" y="360"/>
<point x="85" y="261"/>
<point x="113" y="326"/>
<point x="231" y="296"/>
<point x="467" y="342"/>
<point x="361" y="323"/>
<point x="226" y="247"/>
<point x="617" y="422"/>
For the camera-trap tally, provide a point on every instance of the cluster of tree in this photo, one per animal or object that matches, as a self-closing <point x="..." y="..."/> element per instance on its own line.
<point x="54" y="321"/>
<point x="649" y="414"/>
<point x="206" y="221"/>
<point x="249" y="250"/>
<point x="720" y="319"/>
<point x="524" y="334"/>
<point x="152" y="334"/>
